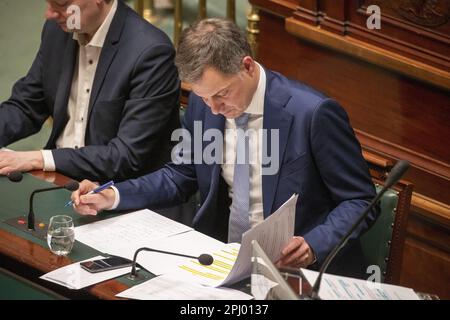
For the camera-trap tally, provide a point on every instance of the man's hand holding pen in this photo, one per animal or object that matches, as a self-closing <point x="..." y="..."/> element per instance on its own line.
<point x="90" y="199"/>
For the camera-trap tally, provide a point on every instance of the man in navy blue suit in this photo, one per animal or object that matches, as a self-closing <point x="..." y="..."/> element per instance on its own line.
<point x="108" y="80"/>
<point x="304" y="145"/>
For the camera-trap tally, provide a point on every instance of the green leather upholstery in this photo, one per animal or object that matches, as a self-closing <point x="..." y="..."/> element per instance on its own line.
<point x="376" y="242"/>
<point x="13" y="287"/>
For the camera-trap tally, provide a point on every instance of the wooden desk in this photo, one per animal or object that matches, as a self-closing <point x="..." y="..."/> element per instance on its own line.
<point x="30" y="259"/>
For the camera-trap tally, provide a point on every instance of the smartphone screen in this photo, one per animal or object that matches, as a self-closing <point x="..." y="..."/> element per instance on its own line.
<point x="105" y="264"/>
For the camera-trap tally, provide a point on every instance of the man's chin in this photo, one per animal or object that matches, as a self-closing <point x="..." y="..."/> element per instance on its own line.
<point x="68" y="30"/>
<point x="232" y="115"/>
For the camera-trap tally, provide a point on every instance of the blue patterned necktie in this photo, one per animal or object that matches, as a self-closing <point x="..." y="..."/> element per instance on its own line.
<point x="240" y="206"/>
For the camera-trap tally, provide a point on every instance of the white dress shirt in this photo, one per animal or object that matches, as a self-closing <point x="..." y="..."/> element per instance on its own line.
<point x="255" y="125"/>
<point x="74" y="133"/>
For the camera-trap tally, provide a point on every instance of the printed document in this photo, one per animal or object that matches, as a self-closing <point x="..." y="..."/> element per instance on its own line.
<point x="335" y="287"/>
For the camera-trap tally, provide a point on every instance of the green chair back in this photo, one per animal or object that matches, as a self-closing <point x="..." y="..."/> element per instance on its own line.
<point x="376" y="242"/>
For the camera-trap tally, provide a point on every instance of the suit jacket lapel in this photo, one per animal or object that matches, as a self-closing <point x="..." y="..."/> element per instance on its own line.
<point x="275" y="117"/>
<point x="108" y="53"/>
<point x="63" y="91"/>
<point x="211" y="122"/>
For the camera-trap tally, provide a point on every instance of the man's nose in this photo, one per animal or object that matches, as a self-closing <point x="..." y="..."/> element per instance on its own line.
<point x="215" y="106"/>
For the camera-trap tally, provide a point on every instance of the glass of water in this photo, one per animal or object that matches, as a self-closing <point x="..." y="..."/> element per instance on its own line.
<point x="61" y="235"/>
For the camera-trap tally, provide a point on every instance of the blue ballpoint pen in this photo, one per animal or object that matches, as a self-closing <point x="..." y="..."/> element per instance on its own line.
<point x="96" y="190"/>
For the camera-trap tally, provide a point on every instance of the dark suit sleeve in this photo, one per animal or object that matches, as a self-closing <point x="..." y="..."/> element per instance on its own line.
<point x="337" y="155"/>
<point x="167" y="187"/>
<point x="151" y="105"/>
<point x="25" y="111"/>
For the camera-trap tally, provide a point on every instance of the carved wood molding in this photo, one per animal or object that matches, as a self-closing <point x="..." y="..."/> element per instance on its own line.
<point x="369" y="53"/>
<point x="431" y="209"/>
<point x="428" y="13"/>
<point x="427" y="208"/>
<point x="420" y="161"/>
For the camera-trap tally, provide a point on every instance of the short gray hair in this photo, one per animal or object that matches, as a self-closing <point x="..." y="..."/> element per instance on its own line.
<point x="216" y="43"/>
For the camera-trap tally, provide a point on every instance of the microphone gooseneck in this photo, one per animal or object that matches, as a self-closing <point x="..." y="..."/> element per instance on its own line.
<point x="396" y="173"/>
<point x="204" y="259"/>
<point x="71" y="186"/>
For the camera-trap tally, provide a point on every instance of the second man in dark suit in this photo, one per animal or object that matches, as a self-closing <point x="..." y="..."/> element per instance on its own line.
<point x="109" y="84"/>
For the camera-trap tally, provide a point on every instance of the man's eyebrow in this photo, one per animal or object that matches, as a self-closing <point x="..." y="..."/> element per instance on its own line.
<point x="221" y="91"/>
<point x="58" y="2"/>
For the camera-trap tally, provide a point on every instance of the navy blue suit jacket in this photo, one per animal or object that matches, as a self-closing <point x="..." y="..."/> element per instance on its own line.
<point x="320" y="160"/>
<point x="133" y="107"/>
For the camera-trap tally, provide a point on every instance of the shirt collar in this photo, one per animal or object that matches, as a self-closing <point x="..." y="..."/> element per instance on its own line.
<point x="256" y="106"/>
<point x="99" y="37"/>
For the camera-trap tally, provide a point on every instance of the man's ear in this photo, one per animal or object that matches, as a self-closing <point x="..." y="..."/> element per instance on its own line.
<point x="249" y="64"/>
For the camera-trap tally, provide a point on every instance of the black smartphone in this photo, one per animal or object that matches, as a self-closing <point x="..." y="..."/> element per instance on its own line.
<point x="105" y="264"/>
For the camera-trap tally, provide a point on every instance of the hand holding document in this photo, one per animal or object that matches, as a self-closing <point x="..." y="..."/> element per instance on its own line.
<point x="232" y="262"/>
<point x="272" y="235"/>
<point x="74" y="277"/>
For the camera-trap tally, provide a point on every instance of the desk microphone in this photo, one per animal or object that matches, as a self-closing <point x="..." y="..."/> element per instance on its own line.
<point x="396" y="173"/>
<point x="15" y="176"/>
<point x="71" y="186"/>
<point x="204" y="259"/>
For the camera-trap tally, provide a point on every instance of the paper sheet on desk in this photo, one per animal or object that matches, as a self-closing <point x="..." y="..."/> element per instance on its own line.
<point x="191" y="243"/>
<point x="130" y="231"/>
<point x="232" y="263"/>
<point x="168" y="288"/>
<point x="74" y="277"/>
<point x="272" y="235"/>
<point x="343" y="288"/>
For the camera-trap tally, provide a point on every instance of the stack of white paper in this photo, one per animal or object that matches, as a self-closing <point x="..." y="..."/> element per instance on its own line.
<point x="128" y="232"/>
<point x="168" y="288"/>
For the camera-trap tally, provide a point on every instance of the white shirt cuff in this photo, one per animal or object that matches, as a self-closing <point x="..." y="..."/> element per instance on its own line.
<point x="49" y="162"/>
<point x="116" y="199"/>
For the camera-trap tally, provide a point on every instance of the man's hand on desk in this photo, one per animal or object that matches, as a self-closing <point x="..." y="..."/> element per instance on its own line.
<point x="20" y="161"/>
<point x="91" y="204"/>
<point x="296" y="254"/>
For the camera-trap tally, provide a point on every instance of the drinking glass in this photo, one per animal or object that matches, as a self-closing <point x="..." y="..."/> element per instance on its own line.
<point x="61" y="235"/>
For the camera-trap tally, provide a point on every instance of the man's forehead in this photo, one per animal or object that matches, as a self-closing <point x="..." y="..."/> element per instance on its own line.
<point x="205" y="89"/>
<point x="211" y="83"/>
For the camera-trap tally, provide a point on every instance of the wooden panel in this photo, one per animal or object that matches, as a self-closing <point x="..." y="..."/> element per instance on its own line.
<point x="395" y="85"/>
<point x="426" y="268"/>
<point x="416" y="29"/>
